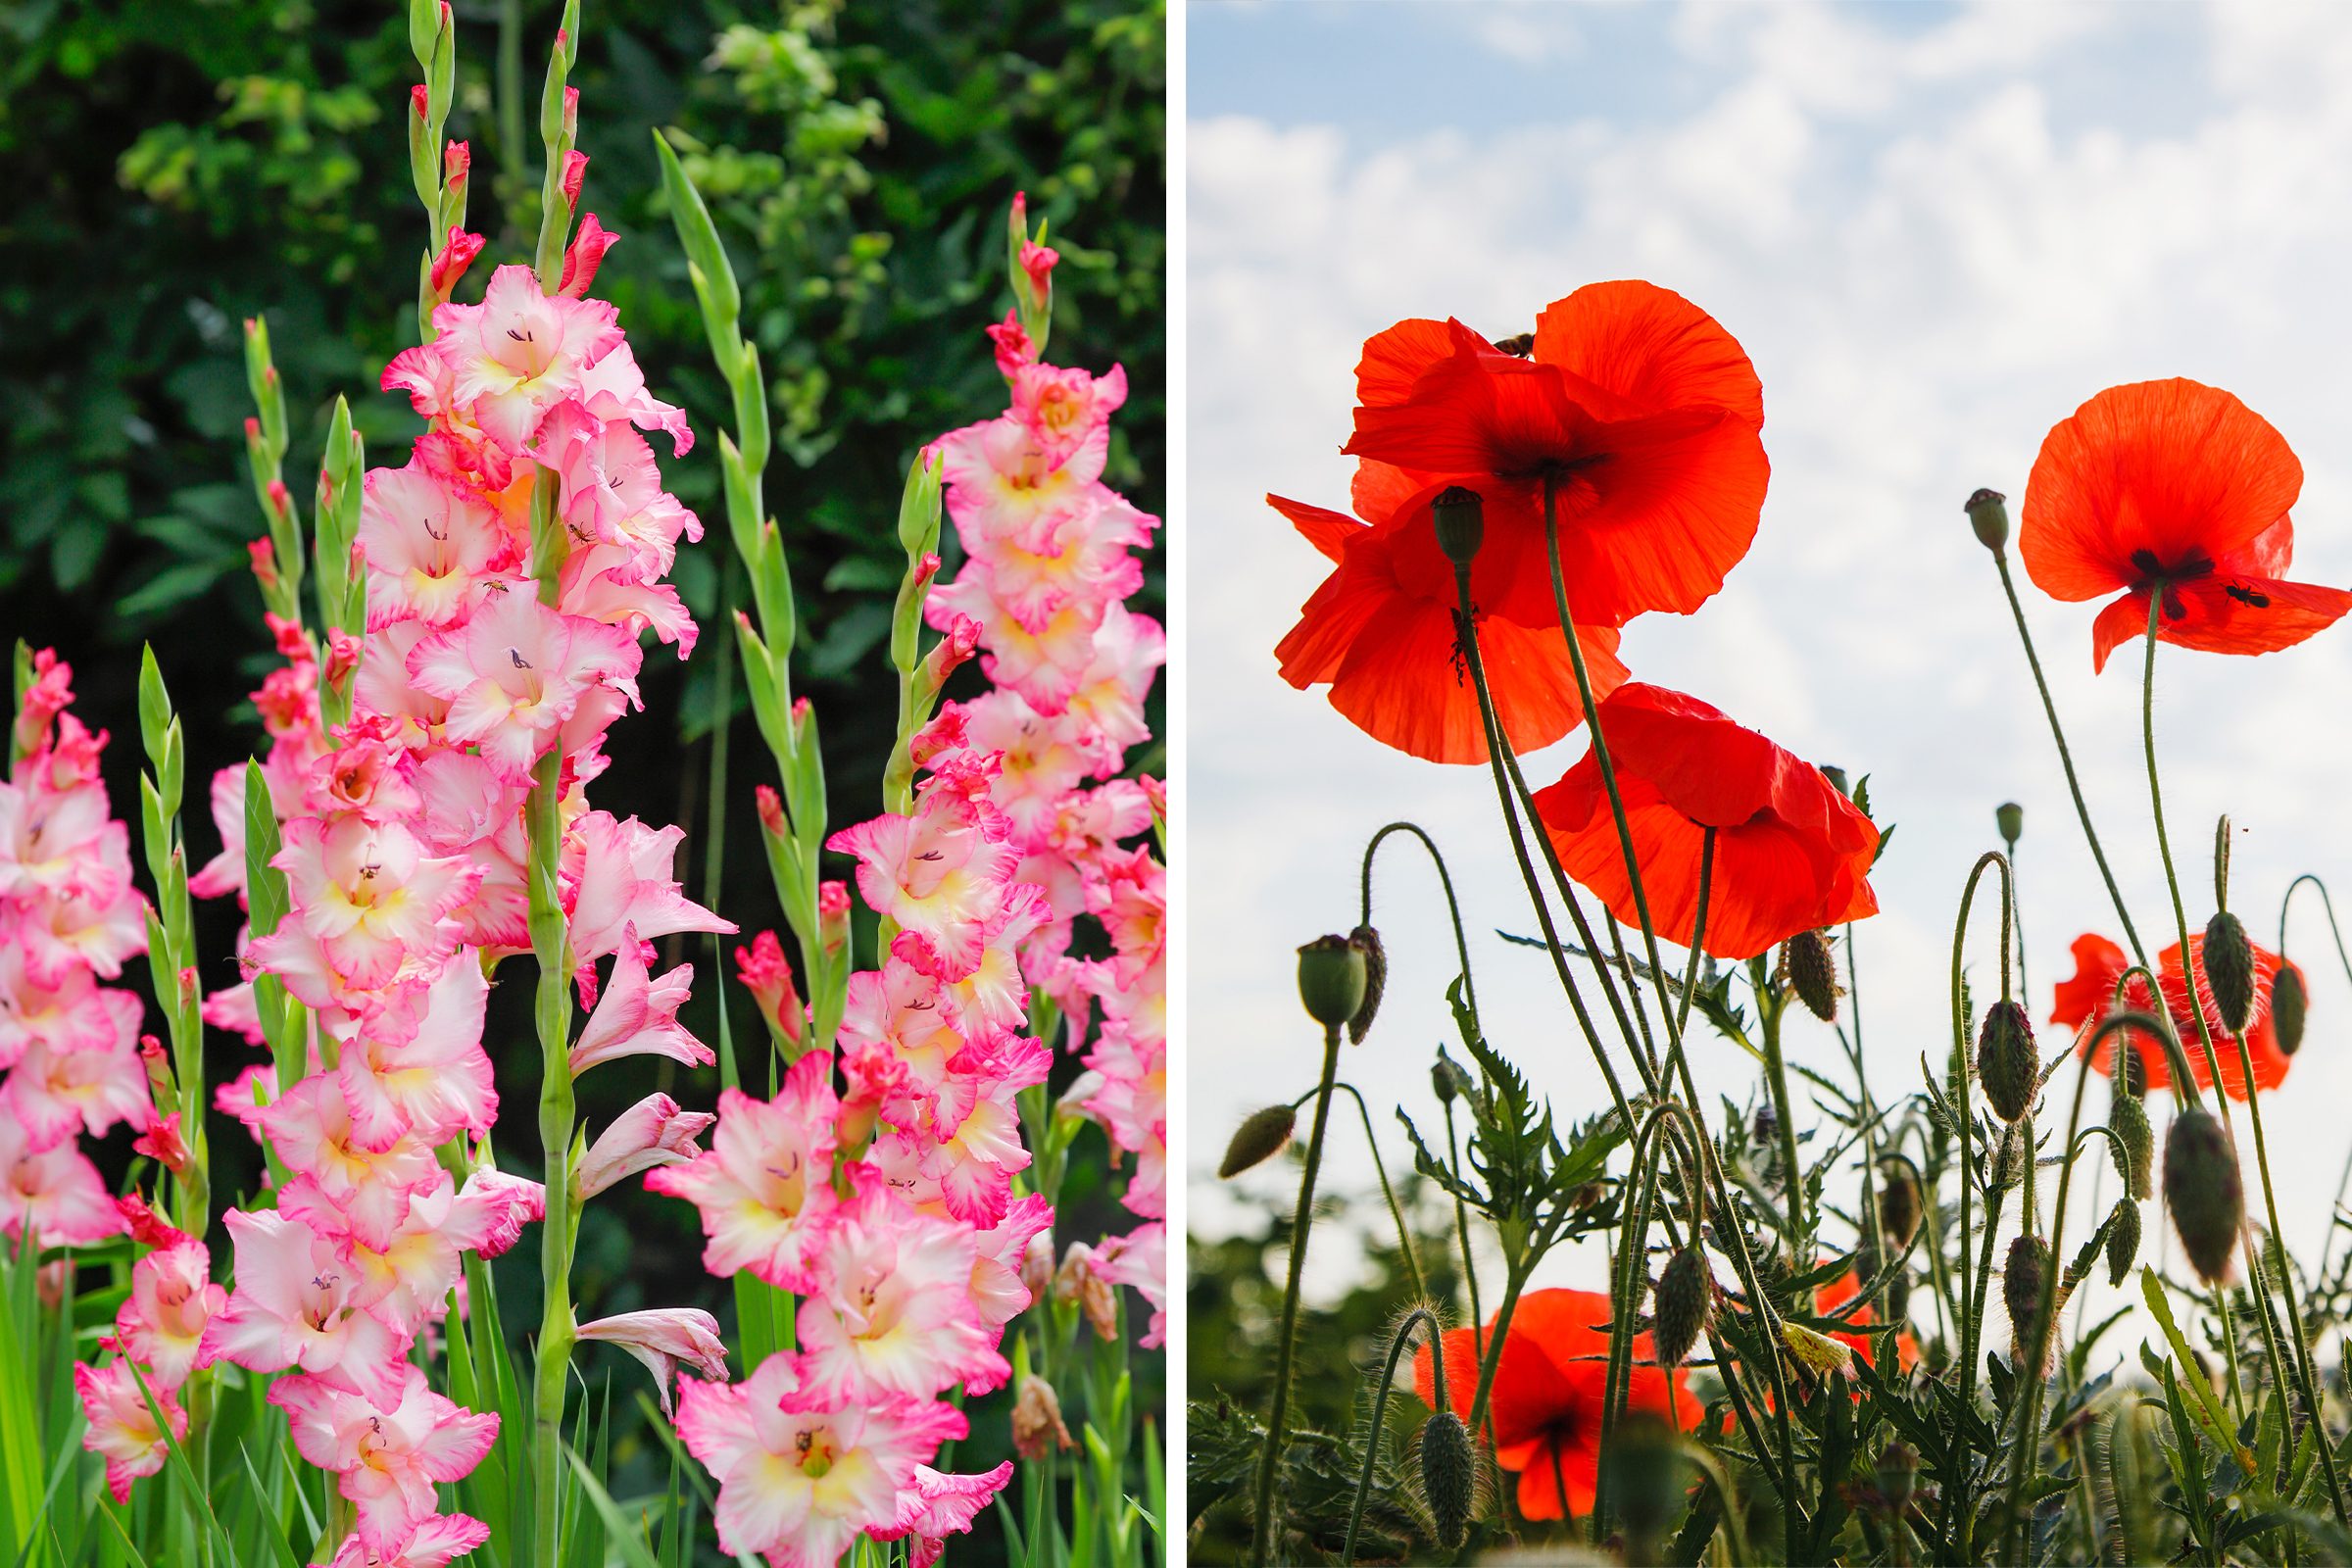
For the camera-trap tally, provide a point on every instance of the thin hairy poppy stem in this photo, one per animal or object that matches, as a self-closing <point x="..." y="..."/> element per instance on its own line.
<point x="1769" y="1012"/>
<point x="1453" y="908"/>
<point x="1461" y="1228"/>
<point x="1698" y="930"/>
<point x="1419" y="1316"/>
<point x="1405" y="1236"/>
<point x="1956" y="1503"/>
<point x="1262" y="1549"/>
<point x="2065" y="758"/>
<point x="1641" y="1184"/>
<point x="2172" y="880"/>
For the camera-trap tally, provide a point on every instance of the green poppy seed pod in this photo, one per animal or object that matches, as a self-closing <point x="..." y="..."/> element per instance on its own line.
<point x="2010" y="818"/>
<point x="2123" y="1240"/>
<point x="2204" y="1190"/>
<point x="1448" y="1476"/>
<point x="1376" y="980"/>
<point x="1685" y="1305"/>
<point x="1331" y="980"/>
<point x="1900" y="1206"/>
<point x="2289" y="1003"/>
<point x="1648" y="1481"/>
<point x="1988" y="514"/>
<point x="1899" y="1475"/>
<point x="2229" y="961"/>
<point x="1461" y="522"/>
<point x="2021" y="1291"/>
<point x="1813" y="974"/>
<point x="2006" y="1062"/>
<point x="1259" y="1139"/>
<point x="2135" y="1161"/>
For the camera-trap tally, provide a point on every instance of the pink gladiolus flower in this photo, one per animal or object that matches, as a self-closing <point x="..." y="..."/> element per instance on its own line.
<point x="456" y="256"/>
<point x="371" y="895"/>
<point x="892" y="1315"/>
<point x="295" y="1304"/>
<point x="797" y="1481"/>
<point x="637" y="1015"/>
<point x="584" y="255"/>
<point x="940" y="873"/>
<point x="1061" y="407"/>
<point x="935" y="1506"/>
<point x="164" y="1142"/>
<point x="1140" y="1261"/>
<point x="172" y="1299"/>
<point x="653" y="1131"/>
<point x="763" y="1186"/>
<point x="1012" y="346"/>
<point x="427" y="544"/>
<point x="515" y="670"/>
<point x="617" y="878"/>
<point x="662" y="1338"/>
<point x="58" y="1094"/>
<point x="517" y="1202"/>
<point x="1000" y="1288"/>
<point x="56" y="1189"/>
<point x="520" y="352"/>
<point x="430" y="1544"/>
<point x="387" y="1453"/>
<point x="49" y="695"/>
<point x="407" y="1280"/>
<point x="122" y="1426"/>
<point x="368" y="1180"/>
<point x="435" y="1082"/>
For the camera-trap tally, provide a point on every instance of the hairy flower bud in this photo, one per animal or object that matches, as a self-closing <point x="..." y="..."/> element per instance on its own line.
<point x="2289" y="1003"/>
<point x="1897" y="1475"/>
<point x="1449" y="1477"/>
<point x="2204" y="1190"/>
<point x="2123" y="1240"/>
<point x="2022" y="1285"/>
<point x="2136" y="1159"/>
<point x="1459" y="514"/>
<point x="1899" y="1205"/>
<point x="2010" y="818"/>
<point x="1261" y="1136"/>
<point x="1686" y="1304"/>
<point x="1649" y="1475"/>
<point x="2229" y="961"/>
<point x="1376" y="980"/>
<point x="1331" y="980"/>
<point x="1988" y="515"/>
<point x="2006" y="1061"/>
<point x="1813" y="974"/>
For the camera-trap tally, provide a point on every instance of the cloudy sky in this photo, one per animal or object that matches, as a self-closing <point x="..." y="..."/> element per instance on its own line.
<point x="1936" y="229"/>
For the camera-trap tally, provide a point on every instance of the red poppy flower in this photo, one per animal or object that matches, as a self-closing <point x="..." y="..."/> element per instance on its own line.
<point x="1640" y="409"/>
<point x="1381" y="632"/>
<point x="1827" y="1299"/>
<point x="2179" y="489"/>
<point x="1549" y="1390"/>
<point x="1791" y="853"/>
<point x="2085" y="999"/>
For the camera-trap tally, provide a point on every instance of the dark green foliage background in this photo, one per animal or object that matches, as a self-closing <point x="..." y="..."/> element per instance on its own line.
<point x="170" y="167"/>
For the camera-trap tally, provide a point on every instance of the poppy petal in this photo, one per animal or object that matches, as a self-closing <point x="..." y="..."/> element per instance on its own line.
<point x="1650" y="347"/>
<point x="1326" y="530"/>
<point x="1396" y="359"/>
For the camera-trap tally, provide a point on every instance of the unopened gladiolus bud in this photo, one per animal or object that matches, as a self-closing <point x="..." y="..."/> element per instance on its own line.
<point x="457" y="164"/>
<point x="2006" y="1061"/>
<point x="1461" y="524"/>
<point x="1900" y="1206"/>
<point x="926" y="570"/>
<point x="833" y="915"/>
<point x="456" y="256"/>
<point x="343" y="652"/>
<point x="1685" y="1306"/>
<point x="1331" y="980"/>
<point x="282" y="500"/>
<point x="264" y="563"/>
<point x="949" y="654"/>
<point x="1037" y="1427"/>
<point x="1013" y="348"/>
<point x="1813" y="974"/>
<point x="1037" y="1266"/>
<point x="1649" y="1475"/>
<point x="419" y="104"/>
<point x="2135" y="1146"/>
<point x="662" y="1338"/>
<point x="163" y="1143"/>
<point x="2123" y="1240"/>
<point x="1080" y="1279"/>
<point x="767" y="975"/>
<point x="571" y="96"/>
<point x="1376" y="980"/>
<point x="2204" y="1190"/>
<point x="1449" y="1477"/>
<point x="575" y="173"/>
<point x="2228" y="962"/>
<point x="1261" y="1136"/>
<point x="584" y="256"/>
<point x="158" y="1063"/>
<point x="2290" y="1004"/>
<point x="653" y="1131"/>
<point x="770" y="806"/>
<point x="1988" y="515"/>
<point x="2010" y="818"/>
<point x="1037" y="261"/>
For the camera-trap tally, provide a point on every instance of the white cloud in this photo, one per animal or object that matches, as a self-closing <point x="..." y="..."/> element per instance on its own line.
<point x="1929" y="272"/>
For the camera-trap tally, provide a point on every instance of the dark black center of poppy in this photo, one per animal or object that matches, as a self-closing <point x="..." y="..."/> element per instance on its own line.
<point x="2163" y="578"/>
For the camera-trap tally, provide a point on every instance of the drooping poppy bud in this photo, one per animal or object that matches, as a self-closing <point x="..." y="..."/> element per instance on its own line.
<point x="2010" y="818"/>
<point x="2290" y="1005"/>
<point x="1813" y="974"/>
<point x="1261" y="1136"/>
<point x="2123" y="1240"/>
<point x="2135" y="1161"/>
<point x="1376" y="980"/>
<point x="2229" y="961"/>
<point x="1988" y="515"/>
<point x="1900" y="1206"/>
<point x="1686" y="1304"/>
<point x="1449" y="1477"/>
<point x="1460" y="518"/>
<point x="2020" y="1293"/>
<point x="2006" y="1061"/>
<point x="1331" y="980"/>
<point x="2204" y="1190"/>
<point x="1899" y="1475"/>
